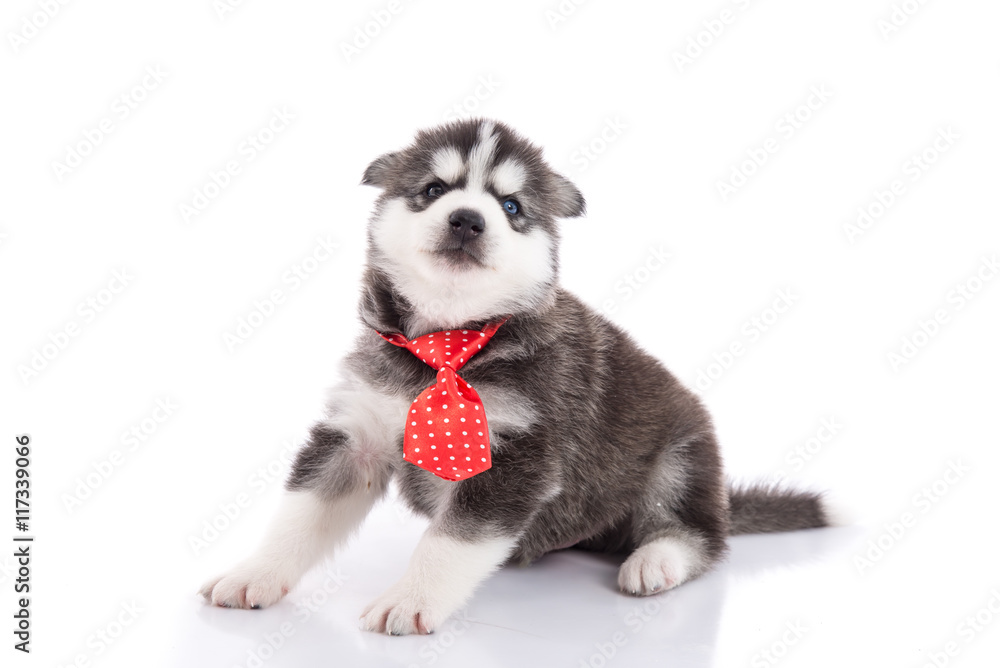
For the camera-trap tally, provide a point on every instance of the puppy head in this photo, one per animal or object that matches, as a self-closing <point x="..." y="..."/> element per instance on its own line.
<point x="465" y="227"/>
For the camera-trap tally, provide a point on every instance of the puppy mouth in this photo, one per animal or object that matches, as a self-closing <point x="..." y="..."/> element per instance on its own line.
<point x="459" y="257"/>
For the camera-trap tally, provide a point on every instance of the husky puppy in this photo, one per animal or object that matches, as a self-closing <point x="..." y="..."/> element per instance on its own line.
<point x="594" y="443"/>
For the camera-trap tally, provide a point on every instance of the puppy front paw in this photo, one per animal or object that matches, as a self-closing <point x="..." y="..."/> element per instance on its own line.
<point x="246" y="587"/>
<point x="402" y="610"/>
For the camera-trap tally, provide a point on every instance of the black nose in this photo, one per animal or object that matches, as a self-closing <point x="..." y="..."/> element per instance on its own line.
<point x="466" y="222"/>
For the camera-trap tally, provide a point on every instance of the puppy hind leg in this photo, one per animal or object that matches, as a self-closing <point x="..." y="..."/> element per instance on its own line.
<point x="679" y="526"/>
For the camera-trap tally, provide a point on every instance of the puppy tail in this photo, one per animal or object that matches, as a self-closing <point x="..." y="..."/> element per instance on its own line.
<point x="765" y="508"/>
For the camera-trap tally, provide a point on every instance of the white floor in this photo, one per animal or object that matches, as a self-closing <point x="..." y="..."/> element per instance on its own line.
<point x="786" y="590"/>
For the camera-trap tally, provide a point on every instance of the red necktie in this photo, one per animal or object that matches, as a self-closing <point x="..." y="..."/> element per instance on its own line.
<point x="446" y="431"/>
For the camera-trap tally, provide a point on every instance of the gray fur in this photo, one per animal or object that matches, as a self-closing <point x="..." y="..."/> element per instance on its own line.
<point x="610" y="451"/>
<point x="767" y="508"/>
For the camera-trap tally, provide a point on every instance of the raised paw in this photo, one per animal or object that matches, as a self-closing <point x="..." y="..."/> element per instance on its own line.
<point x="246" y="588"/>
<point x="656" y="567"/>
<point x="402" y="610"/>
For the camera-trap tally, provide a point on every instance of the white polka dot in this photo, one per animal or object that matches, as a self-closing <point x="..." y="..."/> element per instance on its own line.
<point x="439" y="468"/>
<point x="484" y="458"/>
<point x="444" y="392"/>
<point x="434" y="447"/>
<point x="413" y="424"/>
<point x="446" y="420"/>
<point x="479" y="421"/>
<point x="475" y="407"/>
<point x="428" y="409"/>
<point x="430" y="435"/>
<point x="465" y="433"/>
<point x="481" y="446"/>
<point x="465" y="331"/>
<point x="463" y="419"/>
<point x="414" y="436"/>
<point x="435" y="459"/>
<point x="470" y="470"/>
<point x="430" y="422"/>
<point x="461" y="405"/>
<point x="416" y="449"/>
<point x="420" y="461"/>
<point x="432" y="350"/>
<point x="468" y="459"/>
<point x="445" y="406"/>
<point x="466" y="445"/>
<point x="453" y="457"/>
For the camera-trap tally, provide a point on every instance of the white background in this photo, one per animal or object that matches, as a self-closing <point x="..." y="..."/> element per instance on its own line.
<point x="672" y="132"/>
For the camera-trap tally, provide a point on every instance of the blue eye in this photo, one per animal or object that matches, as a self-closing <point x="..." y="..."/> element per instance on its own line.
<point x="511" y="207"/>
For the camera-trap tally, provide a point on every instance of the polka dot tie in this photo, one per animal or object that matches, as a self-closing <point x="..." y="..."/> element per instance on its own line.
<point x="446" y="431"/>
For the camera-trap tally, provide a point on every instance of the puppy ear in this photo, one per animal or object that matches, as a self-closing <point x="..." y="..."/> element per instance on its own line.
<point x="377" y="172"/>
<point x="569" y="202"/>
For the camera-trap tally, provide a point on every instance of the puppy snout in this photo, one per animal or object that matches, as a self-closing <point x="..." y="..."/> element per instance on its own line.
<point x="466" y="223"/>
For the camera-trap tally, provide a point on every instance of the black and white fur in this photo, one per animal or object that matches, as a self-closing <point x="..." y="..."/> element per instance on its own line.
<point x="594" y="443"/>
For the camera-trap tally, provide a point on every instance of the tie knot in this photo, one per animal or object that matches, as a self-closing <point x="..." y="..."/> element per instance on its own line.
<point x="449" y="349"/>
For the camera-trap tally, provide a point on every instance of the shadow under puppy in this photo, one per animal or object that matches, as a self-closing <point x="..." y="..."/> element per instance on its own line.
<point x="590" y="441"/>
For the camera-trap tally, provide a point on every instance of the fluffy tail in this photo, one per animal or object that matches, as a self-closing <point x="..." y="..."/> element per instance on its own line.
<point x="763" y="508"/>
